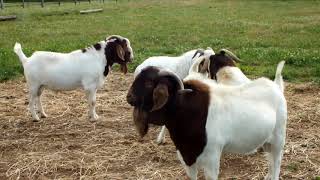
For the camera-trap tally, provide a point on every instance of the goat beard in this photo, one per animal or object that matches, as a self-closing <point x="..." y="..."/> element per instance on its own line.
<point x="124" y="68"/>
<point x="140" y="121"/>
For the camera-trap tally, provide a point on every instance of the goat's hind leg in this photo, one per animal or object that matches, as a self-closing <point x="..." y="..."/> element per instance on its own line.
<point x="40" y="108"/>
<point x="274" y="156"/>
<point x="33" y="93"/>
<point x="276" y="144"/>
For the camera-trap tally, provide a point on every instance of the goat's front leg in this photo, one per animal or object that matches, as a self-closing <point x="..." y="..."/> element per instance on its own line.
<point x="91" y="95"/>
<point x="212" y="164"/>
<point x="192" y="171"/>
<point x="161" y="135"/>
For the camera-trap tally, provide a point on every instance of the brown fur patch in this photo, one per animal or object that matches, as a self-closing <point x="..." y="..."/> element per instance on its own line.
<point x="187" y="125"/>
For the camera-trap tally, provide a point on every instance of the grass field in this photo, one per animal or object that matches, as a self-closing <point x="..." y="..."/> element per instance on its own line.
<point x="261" y="32"/>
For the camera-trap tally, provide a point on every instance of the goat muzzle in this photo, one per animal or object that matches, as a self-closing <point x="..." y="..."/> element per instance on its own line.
<point x="131" y="99"/>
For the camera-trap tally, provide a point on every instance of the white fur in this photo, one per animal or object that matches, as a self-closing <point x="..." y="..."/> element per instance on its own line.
<point x="64" y="71"/>
<point x="179" y="65"/>
<point x="231" y="76"/>
<point x="240" y="120"/>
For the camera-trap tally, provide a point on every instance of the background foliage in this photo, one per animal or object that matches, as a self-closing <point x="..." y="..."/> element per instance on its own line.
<point x="261" y="32"/>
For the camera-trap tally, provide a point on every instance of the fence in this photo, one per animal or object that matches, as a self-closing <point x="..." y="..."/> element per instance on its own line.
<point x="42" y="3"/>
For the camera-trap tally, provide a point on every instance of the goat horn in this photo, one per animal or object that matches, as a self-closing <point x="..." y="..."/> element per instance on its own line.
<point x="200" y="51"/>
<point x="233" y="56"/>
<point x="165" y="72"/>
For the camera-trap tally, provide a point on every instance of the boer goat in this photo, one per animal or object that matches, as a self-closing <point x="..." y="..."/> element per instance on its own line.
<point x="86" y="68"/>
<point x="205" y="119"/>
<point x="179" y="64"/>
<point x="223" y="69"/>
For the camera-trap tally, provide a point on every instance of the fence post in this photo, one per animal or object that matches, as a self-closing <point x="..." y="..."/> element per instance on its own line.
<point x="23" y="3"/>
<point x="1" y="4"/>
<point x="75" y="2"/>
<point x="59" y="3"/>
<point x="42" y="3"/>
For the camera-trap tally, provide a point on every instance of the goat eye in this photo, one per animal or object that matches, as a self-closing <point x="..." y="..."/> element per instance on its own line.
<point x="148" y="84"/>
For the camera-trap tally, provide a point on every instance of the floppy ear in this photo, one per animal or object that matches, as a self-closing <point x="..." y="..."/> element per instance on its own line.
<point x="140" y="121"/>
<point x="204" y="65"/>
<point x="160" y="96"/>
<point x="120" y="52"/>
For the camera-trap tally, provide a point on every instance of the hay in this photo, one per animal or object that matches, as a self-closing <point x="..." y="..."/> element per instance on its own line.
<point x="67" y="145"/>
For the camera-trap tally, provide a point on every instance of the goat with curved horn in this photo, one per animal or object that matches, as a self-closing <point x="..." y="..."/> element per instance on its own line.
<point x="233" y="56"/>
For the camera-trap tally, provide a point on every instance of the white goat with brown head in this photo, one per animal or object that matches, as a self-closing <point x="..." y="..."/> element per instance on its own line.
<point x="205" y="119"/>
<point x="86" y="68"/>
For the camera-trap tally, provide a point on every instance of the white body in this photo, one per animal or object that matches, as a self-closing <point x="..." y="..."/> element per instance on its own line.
<point x="63" y="71"/>
<point x="231" y="76"/>
<point x="66" y="71"/>
<point x="240" y="120"/>
<point x="179" y="65"/>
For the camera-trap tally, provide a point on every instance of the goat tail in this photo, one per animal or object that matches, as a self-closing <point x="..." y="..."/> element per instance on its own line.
<point x="278" y="77"/>
<point x="18" y="50"/>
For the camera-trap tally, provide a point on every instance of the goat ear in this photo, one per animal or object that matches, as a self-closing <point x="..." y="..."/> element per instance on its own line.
<point x="120" y="52"/>
<point x="140" y="121"/>
<point x="204" y="65"/>
<point x="160" y="96"/>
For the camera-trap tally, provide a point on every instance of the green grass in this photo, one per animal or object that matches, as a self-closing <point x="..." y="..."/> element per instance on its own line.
<point x="261" y="32"/>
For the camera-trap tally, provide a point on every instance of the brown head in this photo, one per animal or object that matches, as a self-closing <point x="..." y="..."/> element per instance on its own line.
<point x="118" y="50"/>
<point x="222" y="59"/>
<point x="152" y="90"/>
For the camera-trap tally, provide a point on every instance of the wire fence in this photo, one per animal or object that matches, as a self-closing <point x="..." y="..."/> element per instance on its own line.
<point x="42" y="3"/>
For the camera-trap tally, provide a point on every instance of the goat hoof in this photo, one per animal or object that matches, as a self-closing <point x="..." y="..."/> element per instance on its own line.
<point x="43" y="115"/>
<point x="268" y="177"/>
<point x="35" y="120"/>
<point x="94" y="118"/>
<point x="160" y="141"/>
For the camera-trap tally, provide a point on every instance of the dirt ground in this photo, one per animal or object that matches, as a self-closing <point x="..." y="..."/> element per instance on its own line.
<point x="67" y="146"/>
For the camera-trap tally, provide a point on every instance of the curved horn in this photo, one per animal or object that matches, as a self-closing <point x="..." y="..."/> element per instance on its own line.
<point x="199" y="51"/>
<point x="233" y="56"/>
<point x="175" y="77"/>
